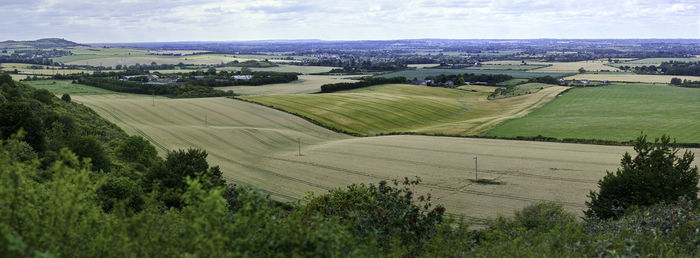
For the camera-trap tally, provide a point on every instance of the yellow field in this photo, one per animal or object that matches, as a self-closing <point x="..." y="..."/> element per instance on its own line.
<point x="421" y="66"/>
<point x="627" y="77"/>
<point x="305" y="84"/>
<point x="285" y="69"/>
<point x="407" y="108"/>
<point x="566" y="67"/>
<point x="258" y="146"/>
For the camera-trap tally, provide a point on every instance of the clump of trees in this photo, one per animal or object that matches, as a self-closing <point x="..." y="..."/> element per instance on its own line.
<point x="366" y="82"/>
<point x="656" y="174"/>
<point x="187" y="91"/>
<point x="460" y="79"/>
<point x="685" y="83"/>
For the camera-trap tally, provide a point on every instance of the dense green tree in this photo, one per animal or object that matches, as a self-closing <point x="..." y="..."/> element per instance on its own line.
<point x="89" y="147"/>
<point x="116" y="190"/>
<point x="44" y="96"/>
<point x="656" y="174"/>
<point x="138" y="150"/>
<point x="16" y="115"/>
<point x="66" y="97"/>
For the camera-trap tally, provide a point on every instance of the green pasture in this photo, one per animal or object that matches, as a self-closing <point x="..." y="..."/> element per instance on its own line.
<point x="422" y="73"/>
<point x="618" y="112"/>
<point x="60" y="87"/>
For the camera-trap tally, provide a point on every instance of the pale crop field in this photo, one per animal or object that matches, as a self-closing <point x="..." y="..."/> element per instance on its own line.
<point x="421" y="66"/>
<point x="591" y="65"/>
<point x="630" y="77"/>
<point x="26" y="68"/>
<point x="285" y="69"/>
<point x="257" y="146"/>
<point x="305" y="84"/>
<point x="407" y="108"/>
<point x="654" y="61"/>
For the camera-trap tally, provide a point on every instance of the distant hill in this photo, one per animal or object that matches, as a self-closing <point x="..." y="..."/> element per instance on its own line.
<point x="41" y="43"/>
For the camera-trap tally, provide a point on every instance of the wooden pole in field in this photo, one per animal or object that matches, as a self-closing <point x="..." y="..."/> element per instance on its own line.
<point x="299" y="141"/>
<point x="206" y="123"/>
<point x="476" y="168"/>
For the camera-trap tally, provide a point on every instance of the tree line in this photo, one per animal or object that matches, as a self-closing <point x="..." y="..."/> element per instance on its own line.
<point x="366" y="82"/>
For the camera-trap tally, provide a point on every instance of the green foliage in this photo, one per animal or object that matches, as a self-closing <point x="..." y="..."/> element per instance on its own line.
<point x="116" y="190"/>
<point x="382" y="212"/>
<point x="137" y="150"/>
<point x="65" y="97"/>
<point x="656" y="174"/>
<point x="19" y="115"/>
<point x="44" y="96"/>
<point x="170" y="177"/>
<point x="89" y="147"/>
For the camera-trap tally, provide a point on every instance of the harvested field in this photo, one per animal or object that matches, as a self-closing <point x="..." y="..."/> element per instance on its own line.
<point x="305" y="84"/>
<point x="616" y="112"/>
<point x="258" y="146"/>
<point x="630" y="77"/>
<point x="422" y="73"/>
<point x="408" y="108"/>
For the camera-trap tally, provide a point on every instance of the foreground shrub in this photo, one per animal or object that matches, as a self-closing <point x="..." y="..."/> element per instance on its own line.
<point x="389" y="214"/>
<point x="656" y="174"/>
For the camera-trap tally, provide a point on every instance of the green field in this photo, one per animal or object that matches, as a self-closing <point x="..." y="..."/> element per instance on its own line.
<point x="617" y="112"/>
<point x="422" y="73"/>
<point x="66" y="87"/>
<point x="523" y="89"/>
<point x="408" y="108"/>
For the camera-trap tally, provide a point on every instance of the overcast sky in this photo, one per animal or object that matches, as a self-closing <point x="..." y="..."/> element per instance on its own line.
<point x="217" y="20"/>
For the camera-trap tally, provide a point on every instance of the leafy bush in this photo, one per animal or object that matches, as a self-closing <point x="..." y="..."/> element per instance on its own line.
<point x="656" y="174"/>
<point x="382" y="212"/>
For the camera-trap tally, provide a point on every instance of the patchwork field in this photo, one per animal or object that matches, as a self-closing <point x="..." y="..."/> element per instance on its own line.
<point x="617" y="112"/>
<point x="258" y="146"/>
<point x="38" y="69"/>
<point x="408" y="108"/>
<point x="422" y="73"/>
<point x="305" y="84"/>
<point x="630" y="77"/>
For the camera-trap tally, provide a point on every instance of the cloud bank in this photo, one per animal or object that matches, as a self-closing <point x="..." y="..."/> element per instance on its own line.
<point x="217" y="20"/>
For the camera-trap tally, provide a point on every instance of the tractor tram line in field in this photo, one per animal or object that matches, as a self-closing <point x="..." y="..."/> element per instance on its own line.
<point x="254" y="145"/>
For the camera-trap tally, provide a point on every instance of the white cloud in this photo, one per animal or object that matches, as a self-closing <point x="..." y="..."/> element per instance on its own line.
<point x="160" y="20"/>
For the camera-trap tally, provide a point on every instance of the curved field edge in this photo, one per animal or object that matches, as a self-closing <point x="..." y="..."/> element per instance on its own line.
<point x="407" y="109"/>
<point x="613" y="114"/>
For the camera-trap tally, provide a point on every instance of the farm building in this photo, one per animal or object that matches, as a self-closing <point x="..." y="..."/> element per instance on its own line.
<point x="242" y="77"/>
<point x="422" y="82"/>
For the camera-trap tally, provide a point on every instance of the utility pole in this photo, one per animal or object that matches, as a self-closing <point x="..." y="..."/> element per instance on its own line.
<point x="299" y="141"/>
<point x="154" y="98"/>
<point x="476" y="168"/>
<point x="206" y="123"/>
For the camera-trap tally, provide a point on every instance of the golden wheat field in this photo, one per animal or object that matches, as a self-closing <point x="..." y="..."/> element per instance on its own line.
<point x="259" y="146"/>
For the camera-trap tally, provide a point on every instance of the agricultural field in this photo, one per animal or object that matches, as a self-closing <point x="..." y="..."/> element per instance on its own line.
<point x="407" y="108"/>
<point x="33" y="69"/>
<point x="257" y="146"/>
<point x="305" y="84"/>
<point x="422" y="73"/>
<point x="60" y="87"/>
<point x="630" y="77"/>
<point x="523" y="89"/>
<point x="562" y="67"/>
<point x="506" y="67"/>
<point x="654" y="61"/>
<point x="421" y="66"/>
<point x="286" y="69"/>
<point x="618" y="112"/>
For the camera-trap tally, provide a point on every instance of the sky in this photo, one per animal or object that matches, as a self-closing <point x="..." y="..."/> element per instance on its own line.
<point x="113" y="21"/>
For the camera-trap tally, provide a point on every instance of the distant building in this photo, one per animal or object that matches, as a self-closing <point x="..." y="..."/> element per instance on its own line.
<point x="242" y="77"/>
<point x="199" y="77"/>
<point x="422" y="82"/>
<point x="480" y="83"/>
